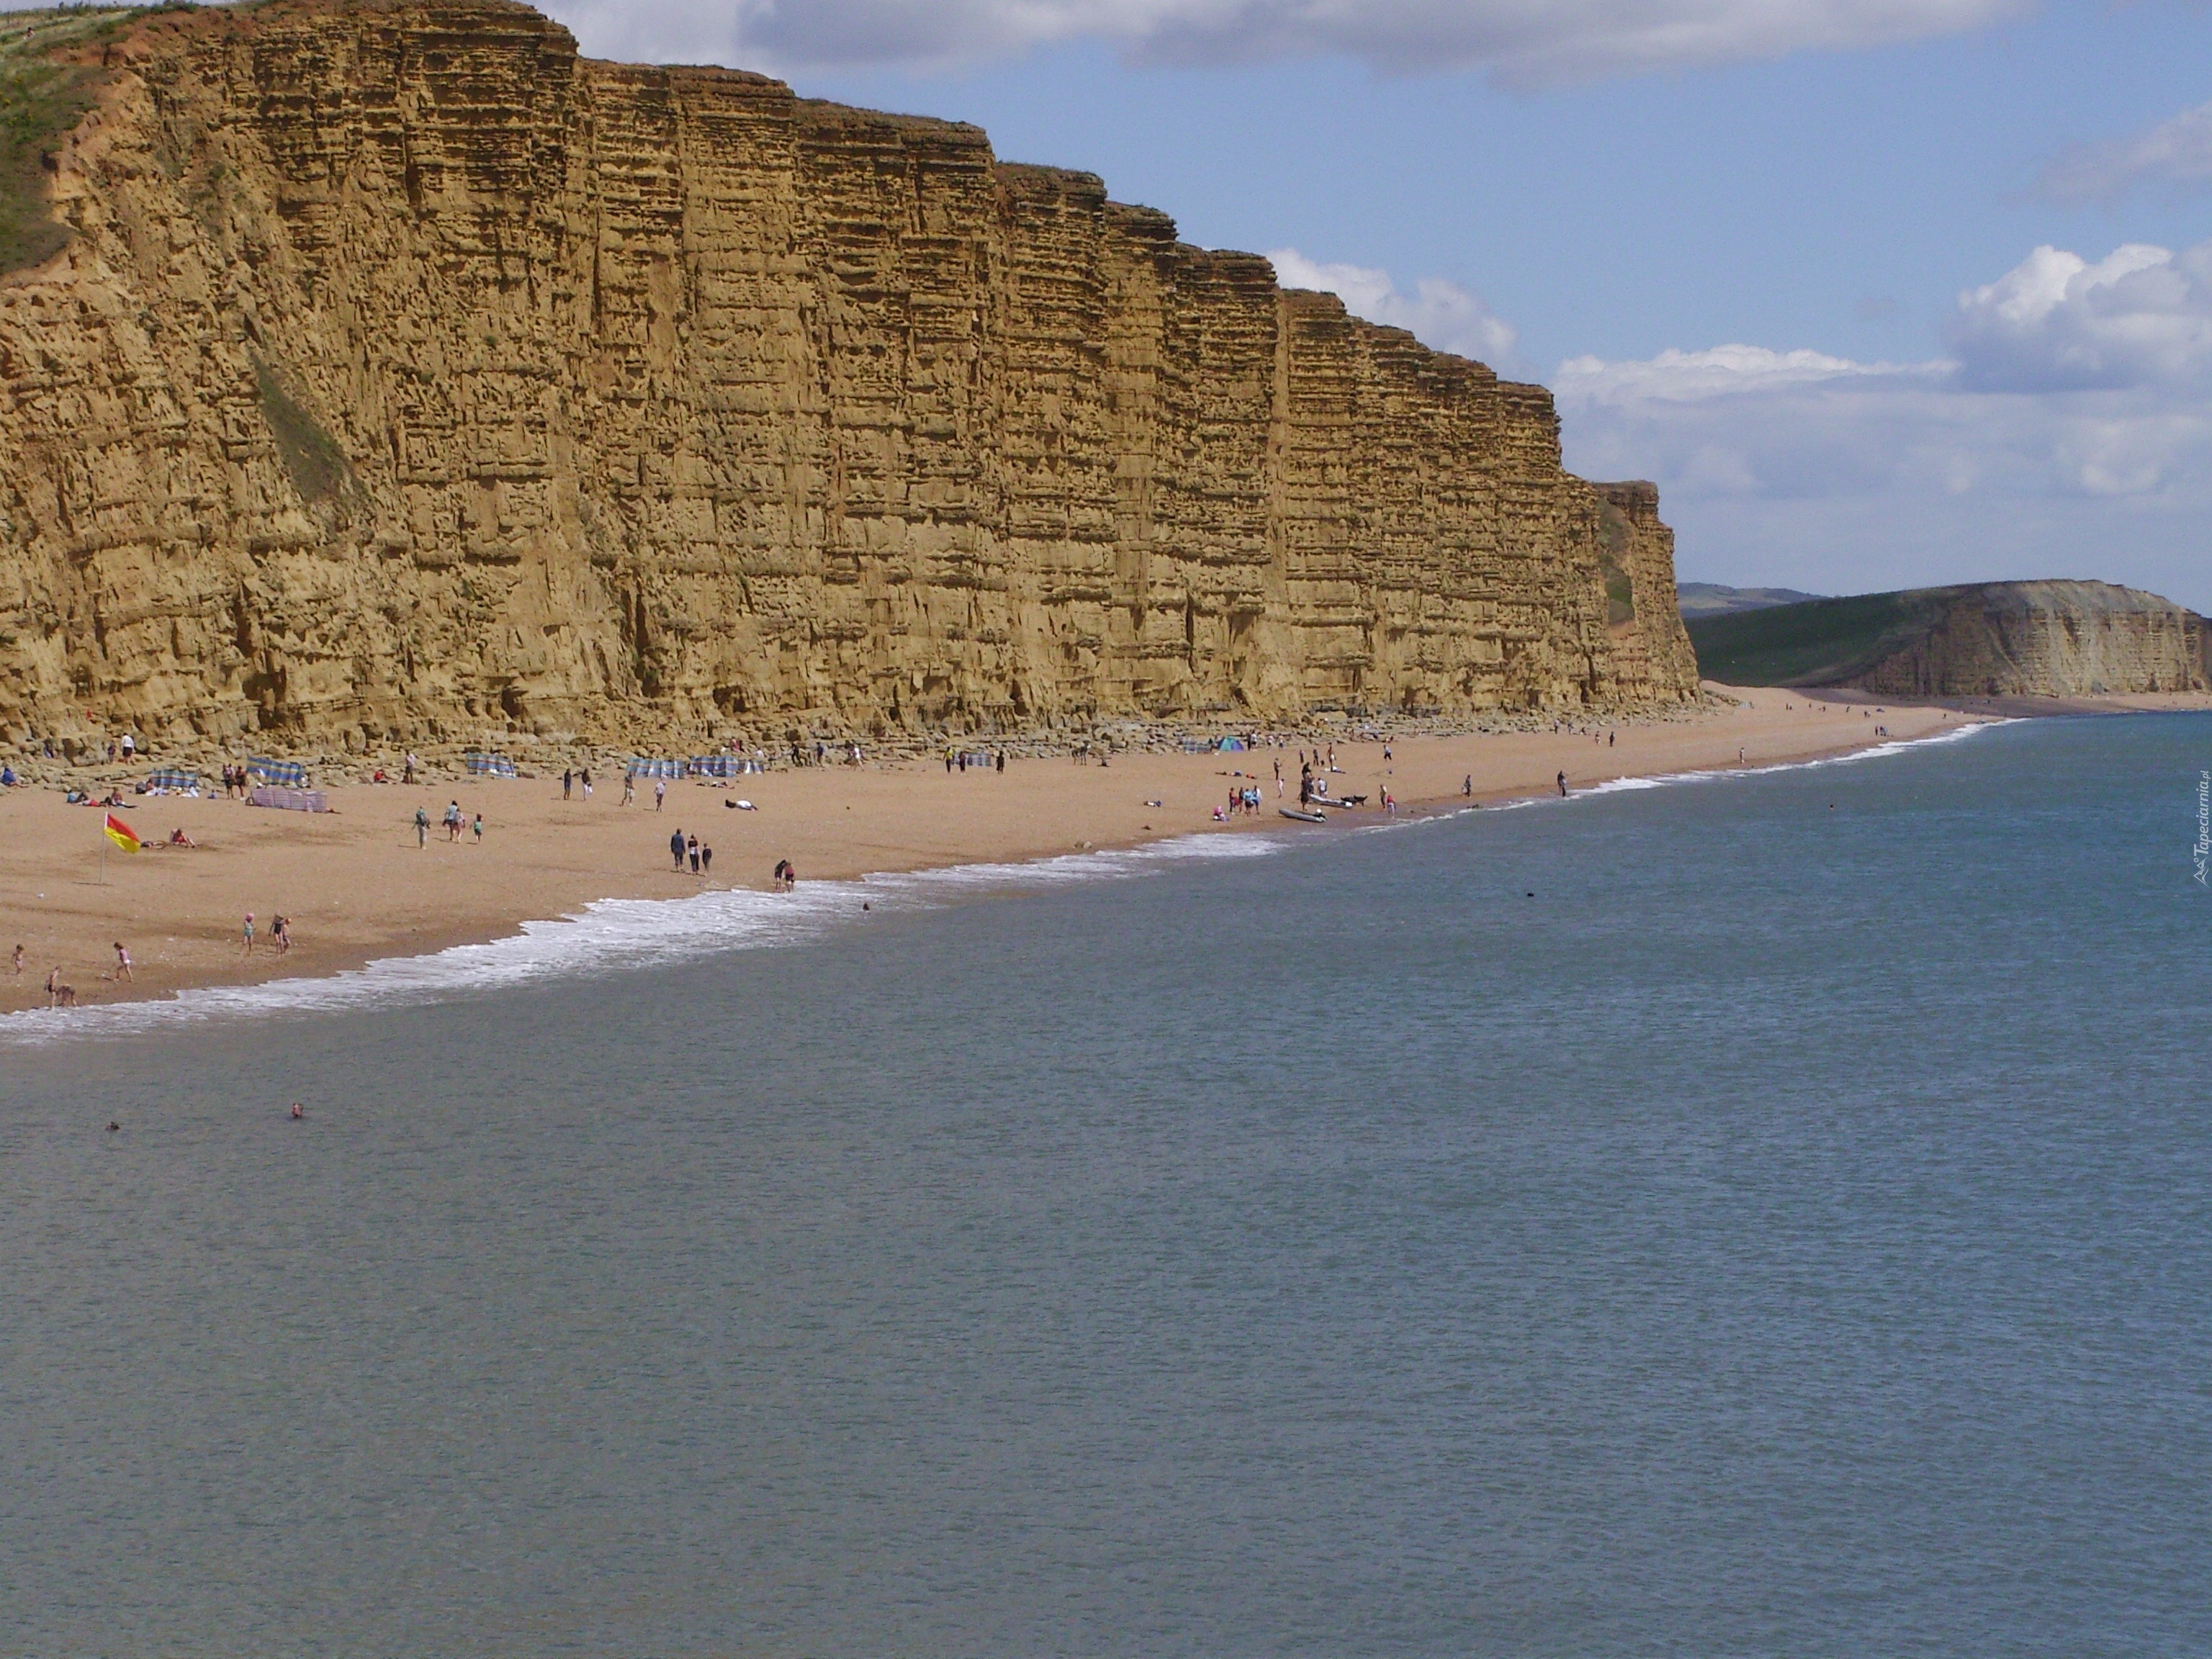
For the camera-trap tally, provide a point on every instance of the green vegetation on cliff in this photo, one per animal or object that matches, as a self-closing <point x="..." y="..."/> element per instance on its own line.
<point x="1821" y="642"/>
<point x="41" y="98"/>
<point x="1987" y="639"/>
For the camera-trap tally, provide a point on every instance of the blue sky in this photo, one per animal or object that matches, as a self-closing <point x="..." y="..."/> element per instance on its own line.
<point x="1603" y="195"/>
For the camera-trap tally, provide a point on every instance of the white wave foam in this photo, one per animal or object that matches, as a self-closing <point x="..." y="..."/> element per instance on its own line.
<point x="613" y="935"/>
<point x="1708" y="775"/>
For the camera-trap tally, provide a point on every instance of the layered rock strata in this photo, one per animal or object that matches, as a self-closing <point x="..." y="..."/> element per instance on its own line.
<point x="408" y="376"/>
<point x="2046" y="639"/>
<point x="2038" y="639"/>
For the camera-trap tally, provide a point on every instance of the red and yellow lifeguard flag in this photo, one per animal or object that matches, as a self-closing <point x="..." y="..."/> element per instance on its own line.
<point x="122" y="834"/>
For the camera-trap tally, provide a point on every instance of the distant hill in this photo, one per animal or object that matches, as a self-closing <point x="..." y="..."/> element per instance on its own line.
<point x="1992" y="638"/>
<point x="1697" y="600"/>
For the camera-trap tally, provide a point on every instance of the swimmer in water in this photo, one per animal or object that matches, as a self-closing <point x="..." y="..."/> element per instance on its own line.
<point x="296" y="1109"/>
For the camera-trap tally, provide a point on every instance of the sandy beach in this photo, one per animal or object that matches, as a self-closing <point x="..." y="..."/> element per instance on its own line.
<point x="356" y="886"/>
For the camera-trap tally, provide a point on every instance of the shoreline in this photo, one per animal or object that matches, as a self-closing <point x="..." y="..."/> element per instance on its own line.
<point x="360" y="892"/>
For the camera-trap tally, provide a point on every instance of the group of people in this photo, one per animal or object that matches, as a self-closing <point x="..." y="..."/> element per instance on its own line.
<point x="681" y="847"/>
<point x="59" y="995"/>
<point x="280" y="934"/>
<point x="62" y="994"/>
<point x="455" y="823"/>
<point x="236" y="781"/>
<point x="958" y="758"/>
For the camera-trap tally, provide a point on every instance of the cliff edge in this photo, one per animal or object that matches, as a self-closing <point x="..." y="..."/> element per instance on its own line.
<point x="401" y="375"/>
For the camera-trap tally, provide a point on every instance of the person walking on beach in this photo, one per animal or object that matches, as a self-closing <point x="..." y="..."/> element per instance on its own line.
<point x="122" y="963"/>
<point x="691" y="845"/>
<point x="19" y="962"/>
<point x="479" y="827"/>
<point x="407" y="770"/>
<point x="1279" y="777"/>
<point x="1563" y="786"/>
<point x="675" y="848"/>
<point x="280" y="929"/>
<point x="629" y="790"/>
<point x="453" y="822"/>
<point x="568" y="783"/>
<point x="246" y="938"/>
<point x="706" y="860"/>
<point x="584" y="778"/>
<point x="660" y="793"/>
<point x="422" y="827"/>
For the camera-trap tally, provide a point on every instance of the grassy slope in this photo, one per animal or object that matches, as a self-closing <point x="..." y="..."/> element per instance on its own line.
<point x="1817" y="643"/>
<point x="40" y="100"/>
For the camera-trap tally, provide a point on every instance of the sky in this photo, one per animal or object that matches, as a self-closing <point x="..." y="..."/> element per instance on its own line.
<point x="1882" y="293"/>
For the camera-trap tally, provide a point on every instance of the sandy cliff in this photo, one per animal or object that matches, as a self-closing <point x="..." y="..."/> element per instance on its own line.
<point x="406" y="375"/>
<point x="2049" y="639"/>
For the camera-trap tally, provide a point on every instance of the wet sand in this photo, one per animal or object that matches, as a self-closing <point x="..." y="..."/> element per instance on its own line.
<point x="357" y="887"/>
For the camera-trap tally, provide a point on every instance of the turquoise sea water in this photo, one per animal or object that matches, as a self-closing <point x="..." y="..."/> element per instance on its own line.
<point x="1765" y="1215"/>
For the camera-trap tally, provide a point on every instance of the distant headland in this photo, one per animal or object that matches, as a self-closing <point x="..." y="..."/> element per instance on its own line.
<point x="2034" y="639"/>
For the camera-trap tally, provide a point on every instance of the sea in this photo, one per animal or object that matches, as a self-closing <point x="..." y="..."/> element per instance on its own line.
<point x="1766" y="1213"/>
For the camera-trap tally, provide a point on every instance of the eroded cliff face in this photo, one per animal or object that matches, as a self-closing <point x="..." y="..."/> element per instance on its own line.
<point x="2047" y="639"/>
<point x="409" y="376"/>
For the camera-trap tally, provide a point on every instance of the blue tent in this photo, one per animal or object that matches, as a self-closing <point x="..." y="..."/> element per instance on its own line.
<point x="289" y="775"/>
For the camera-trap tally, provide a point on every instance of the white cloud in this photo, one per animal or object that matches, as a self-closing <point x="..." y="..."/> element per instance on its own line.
<point x="1724" y="371"/>
<point x="2069" y="433"/>
<point x="1525" y="41"/>
<point x="2176" y="151"/>
<point x="1438" y="313"/>
<point x="2142" y="315"/>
